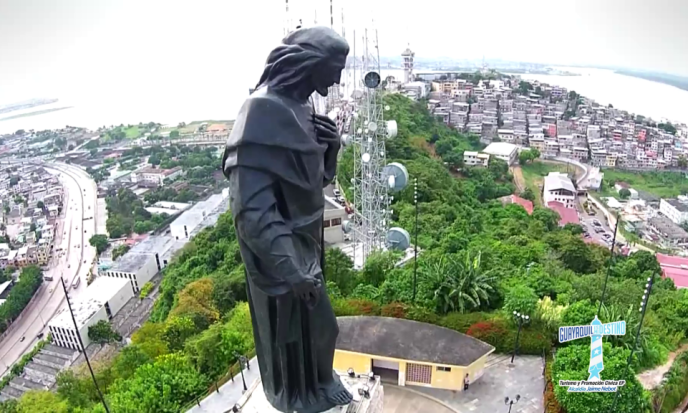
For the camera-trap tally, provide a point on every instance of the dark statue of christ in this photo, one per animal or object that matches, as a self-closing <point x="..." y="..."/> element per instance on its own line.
<point x="279" y="157"/>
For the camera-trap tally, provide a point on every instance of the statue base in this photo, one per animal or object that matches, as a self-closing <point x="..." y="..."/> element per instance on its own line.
<point x="368" y="397"/>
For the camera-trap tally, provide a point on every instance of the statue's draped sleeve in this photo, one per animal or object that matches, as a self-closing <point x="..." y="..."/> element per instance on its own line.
<point x="261" y="226"/>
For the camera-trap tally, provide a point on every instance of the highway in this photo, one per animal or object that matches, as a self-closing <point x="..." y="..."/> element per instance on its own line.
<point x="72" y="236"/>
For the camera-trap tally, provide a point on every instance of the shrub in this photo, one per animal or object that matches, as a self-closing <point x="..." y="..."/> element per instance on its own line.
<point x="492" y="332"/>
<point x="351" y="307"/>
<point x="396" y="310"/>
<point x="422" y="315"/>
<point x="462" y="322"/>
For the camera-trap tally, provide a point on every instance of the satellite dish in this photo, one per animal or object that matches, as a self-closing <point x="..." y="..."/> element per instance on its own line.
<point x="399" y="175"/>
<point x="357" y="94"/>
<point x="365" y="157"/>
<point x="398" y="239"/>
<point x="346" y="139"/>
<point x="372" y="126"/>
<point x="392" y="129"/>
<point x="372" y="80"/>
<point x="347" y="227"/>
<point x="387" y="107"/>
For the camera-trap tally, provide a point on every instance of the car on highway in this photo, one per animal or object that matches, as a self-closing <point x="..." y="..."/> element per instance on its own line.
<point x="599" y="230"/>
<point x="39" y="336"/>
<point x="22" y="339"/>
<point x="596" y="223"/>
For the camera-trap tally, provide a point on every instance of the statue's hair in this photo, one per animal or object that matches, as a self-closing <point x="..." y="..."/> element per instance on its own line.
<point x="299" y="54"/>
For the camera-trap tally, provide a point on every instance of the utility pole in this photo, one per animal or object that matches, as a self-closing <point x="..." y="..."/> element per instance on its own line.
<point x="609" y="267"/>
<point x="415" y="242"/>
<point x="81" y="344"/>
<point x="643" y="308"/>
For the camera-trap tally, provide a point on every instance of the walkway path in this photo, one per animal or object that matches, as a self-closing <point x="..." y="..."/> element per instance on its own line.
<point x="229" y="393"/>
<point x="652" y="378"/>
<point x="518" y="178"/>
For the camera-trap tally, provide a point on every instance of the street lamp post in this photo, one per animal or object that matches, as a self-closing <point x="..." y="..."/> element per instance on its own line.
<point x="511" y="402"/>
<point x="242" y="360"/>
<point x="609" y="267"/>
<point x="521" y="318"/>
<point x="664" y="382"/>
<point x="415" y="242"/>
<point x="643" y="308"/>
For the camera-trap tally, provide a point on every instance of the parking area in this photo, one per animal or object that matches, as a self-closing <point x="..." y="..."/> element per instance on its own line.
<point x="500" y="379"/>
<point x="595" y="225"/>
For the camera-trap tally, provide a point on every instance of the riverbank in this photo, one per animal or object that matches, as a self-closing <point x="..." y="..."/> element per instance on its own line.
<point x="671" y="80"/>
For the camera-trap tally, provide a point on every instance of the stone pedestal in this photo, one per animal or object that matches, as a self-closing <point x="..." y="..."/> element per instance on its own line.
<point x="254" y="401"/>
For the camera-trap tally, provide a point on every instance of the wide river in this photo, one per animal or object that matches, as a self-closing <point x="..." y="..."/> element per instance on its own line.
<point x="218" y="96"/>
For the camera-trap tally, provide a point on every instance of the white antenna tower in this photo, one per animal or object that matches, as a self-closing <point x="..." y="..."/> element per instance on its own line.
<point x="373" y="178"/>
<point x="333" y="93"/>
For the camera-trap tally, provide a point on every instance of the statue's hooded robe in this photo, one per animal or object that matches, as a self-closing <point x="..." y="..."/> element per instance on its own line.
<point x="277" y="170"/>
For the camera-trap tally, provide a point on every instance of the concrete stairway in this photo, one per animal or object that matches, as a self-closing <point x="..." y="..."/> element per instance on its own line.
<point x="41" y="372"/>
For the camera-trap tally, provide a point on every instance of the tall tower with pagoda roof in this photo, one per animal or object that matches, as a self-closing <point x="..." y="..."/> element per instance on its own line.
<point x="408" y="55"/>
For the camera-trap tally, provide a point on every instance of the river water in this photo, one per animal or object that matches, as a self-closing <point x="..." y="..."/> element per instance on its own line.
<point x="212" y="94"/>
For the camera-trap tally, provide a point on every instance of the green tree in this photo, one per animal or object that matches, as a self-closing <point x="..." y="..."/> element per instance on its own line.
<point x="624" y="193"/>
<point x="41" y="401"/>
<point x="40" y="205"/>
<point x="572" y="363"/>
<point x="463" y="285"/>
<point x="522" y="299"/>
<point x="174" y="134"/>
<point x="339" y="269"/>
<point x="99" y="242"/>
<point x="102" y="333"/>
<point x="164" y="386"/>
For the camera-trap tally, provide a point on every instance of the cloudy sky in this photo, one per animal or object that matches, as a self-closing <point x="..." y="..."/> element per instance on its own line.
<point x="104" y="44"/>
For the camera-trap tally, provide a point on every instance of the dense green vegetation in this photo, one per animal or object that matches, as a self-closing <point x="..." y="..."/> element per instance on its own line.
<point x="660" y="184"/>
<point x="127" y="214"/>
<point x="30" y="279"/>
<point x="480" y="261"/>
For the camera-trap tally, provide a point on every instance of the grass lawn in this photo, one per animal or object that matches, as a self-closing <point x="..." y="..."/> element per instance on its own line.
<point x="535" y="172"/>
<point x="132" y="132"/>
<point x="661" y="184"/>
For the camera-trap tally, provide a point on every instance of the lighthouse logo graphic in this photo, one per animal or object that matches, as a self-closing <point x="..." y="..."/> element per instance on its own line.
<point x="595" y="330"/>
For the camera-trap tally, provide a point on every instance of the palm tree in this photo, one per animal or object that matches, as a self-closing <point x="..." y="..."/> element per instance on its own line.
<point x="461" y="286"/>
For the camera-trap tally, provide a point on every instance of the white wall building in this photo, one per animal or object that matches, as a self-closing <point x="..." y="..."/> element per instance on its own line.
<point x="475" y="158"/>
<point x="102" y="301"/>
<point x="558" y="187"/>
<point x="154" y="175"/>
<point x="189" y="222"/>
<point x="335" y="214"/>
<point x="140" y="264"/>
<point x="505" y="151"/>
<point x="674" y="209"/>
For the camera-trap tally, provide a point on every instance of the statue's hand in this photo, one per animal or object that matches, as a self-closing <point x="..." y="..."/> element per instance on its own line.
<point x="308" y="289"/>
<point x="326" y="130"/>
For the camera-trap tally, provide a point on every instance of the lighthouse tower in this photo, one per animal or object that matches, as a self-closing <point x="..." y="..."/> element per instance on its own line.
<point x="408" y="55"/>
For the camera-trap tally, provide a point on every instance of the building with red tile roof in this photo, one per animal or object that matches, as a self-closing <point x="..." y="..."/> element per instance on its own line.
<point x="675" y="268"/>
<point x="514" y="199"/>
<point x="566" y="215"/>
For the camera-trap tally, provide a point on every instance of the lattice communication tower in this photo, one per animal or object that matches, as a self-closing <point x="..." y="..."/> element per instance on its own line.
<point x="373" y="179"/>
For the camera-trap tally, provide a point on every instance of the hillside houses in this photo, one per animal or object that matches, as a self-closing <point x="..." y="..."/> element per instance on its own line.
<point x="559" y="123"/>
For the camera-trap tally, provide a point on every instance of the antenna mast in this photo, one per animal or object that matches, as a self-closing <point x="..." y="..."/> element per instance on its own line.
<point x="373" y="178"/>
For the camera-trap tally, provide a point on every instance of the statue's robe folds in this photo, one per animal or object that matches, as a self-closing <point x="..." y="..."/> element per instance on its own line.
<point x="277" y="170"/>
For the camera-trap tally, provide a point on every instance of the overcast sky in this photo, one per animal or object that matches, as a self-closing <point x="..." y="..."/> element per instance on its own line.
<point x="52" y="44"/>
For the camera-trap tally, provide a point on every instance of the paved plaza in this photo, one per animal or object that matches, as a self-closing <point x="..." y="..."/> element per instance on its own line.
<point x="499" y="380"/>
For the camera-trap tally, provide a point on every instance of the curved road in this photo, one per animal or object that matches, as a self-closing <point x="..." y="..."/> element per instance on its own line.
<point x="79" y="203"/>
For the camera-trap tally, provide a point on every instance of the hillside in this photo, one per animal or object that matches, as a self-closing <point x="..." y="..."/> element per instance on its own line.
<point x="480" y="262"/>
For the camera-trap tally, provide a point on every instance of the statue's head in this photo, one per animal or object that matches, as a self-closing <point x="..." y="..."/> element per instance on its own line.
<point x="308" y="60"/>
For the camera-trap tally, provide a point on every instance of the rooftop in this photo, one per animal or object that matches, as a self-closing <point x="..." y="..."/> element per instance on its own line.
<point x="680" y="206"/>
<point x="500" y="149"/>
<point x="556" y="180"/>
<point x="330" y="204"/>
<point x="668" y="228"/>
<point x="566" y="215"/>
<point x="408" y="340"/>
<point x="675" y="268"/>
<point x="97" y="294"/>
